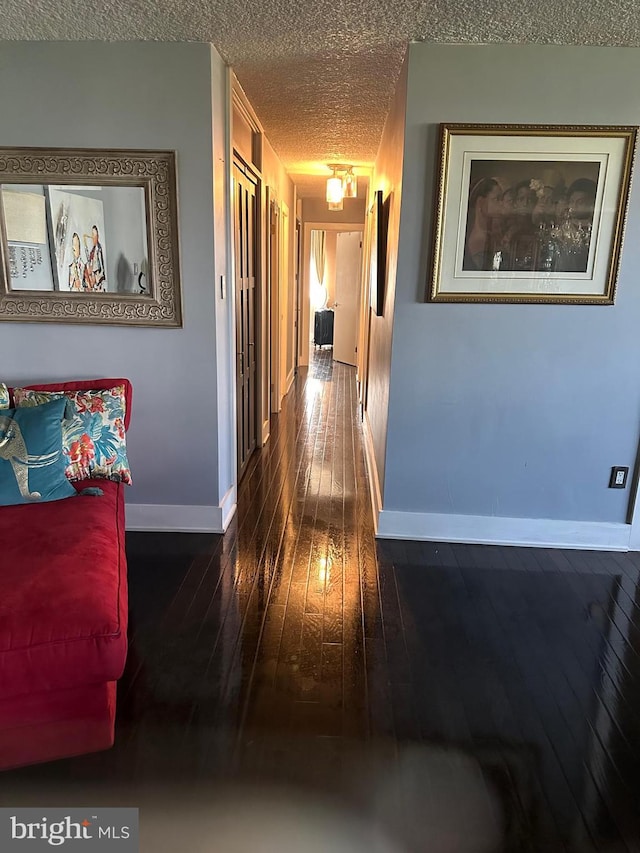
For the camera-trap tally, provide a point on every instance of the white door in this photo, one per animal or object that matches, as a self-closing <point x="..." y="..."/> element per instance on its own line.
<point x="348" y="262"/>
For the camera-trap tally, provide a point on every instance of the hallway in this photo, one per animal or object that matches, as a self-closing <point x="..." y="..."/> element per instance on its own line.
<point x="483" y="698"/>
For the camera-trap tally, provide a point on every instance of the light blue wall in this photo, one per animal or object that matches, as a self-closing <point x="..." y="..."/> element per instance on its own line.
<point x="387" y="177"/>
<point x="511" y="410"/>
<point x="131" y="95"/>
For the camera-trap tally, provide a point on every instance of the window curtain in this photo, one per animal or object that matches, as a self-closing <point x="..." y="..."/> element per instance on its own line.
<point x="318" y="260"/>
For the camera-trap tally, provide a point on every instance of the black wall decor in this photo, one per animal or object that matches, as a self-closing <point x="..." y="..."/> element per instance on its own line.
<point x="380" y="212"/>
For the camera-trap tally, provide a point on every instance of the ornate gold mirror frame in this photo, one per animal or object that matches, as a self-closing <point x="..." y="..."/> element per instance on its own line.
<point x="158" y="300"/>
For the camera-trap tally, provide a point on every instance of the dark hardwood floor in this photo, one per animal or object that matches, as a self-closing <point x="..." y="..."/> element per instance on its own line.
<point x="436" y="697"/>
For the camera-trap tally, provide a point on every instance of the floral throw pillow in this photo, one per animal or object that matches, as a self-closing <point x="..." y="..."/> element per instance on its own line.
<point x="4" y="396"/>
<point x="94" y="441"/>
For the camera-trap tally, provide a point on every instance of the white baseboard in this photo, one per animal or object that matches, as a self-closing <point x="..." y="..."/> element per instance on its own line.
<point x="167" y="518"/>
<point x="490" y="530"/>
<point x="289" y="380"/>
<point x="634" y="537"/>
<point x="375" y="492"/>
<point x="266" y="431"/>
<point x="228" y="507"/>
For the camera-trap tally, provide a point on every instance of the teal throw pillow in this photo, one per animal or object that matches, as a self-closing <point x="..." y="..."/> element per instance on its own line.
<point x="32" y="464"/>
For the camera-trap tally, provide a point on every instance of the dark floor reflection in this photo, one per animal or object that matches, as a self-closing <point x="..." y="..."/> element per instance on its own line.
<point x="526" y="660"/>
<point x="294" y="685"/>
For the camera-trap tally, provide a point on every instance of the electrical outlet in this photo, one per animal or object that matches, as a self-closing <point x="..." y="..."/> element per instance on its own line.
<point x="618" y="479"/>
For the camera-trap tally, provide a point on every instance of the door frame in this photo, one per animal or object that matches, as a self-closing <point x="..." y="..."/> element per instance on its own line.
<point x="297" y="260"/>
<point x="285" y="327"/>
<point x="254" y="176"/>
<point x="274" y="248"/>
<point x="305" y="295"/>
<point x="364" y="337"/>
<point x="279" y="288"/>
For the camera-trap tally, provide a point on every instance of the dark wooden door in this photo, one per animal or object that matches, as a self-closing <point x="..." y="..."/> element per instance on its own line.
<point x="245" y="223"/>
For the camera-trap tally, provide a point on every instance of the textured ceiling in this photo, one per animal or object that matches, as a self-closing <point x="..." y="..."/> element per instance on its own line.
<point x="320" y="74"/>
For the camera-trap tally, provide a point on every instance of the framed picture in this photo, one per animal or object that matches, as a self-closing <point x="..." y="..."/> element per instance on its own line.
<point x="27" y="242"/>
<point x="530" y="213"/>
<point x="378" y="267"/>
<point x="78" y="238"/>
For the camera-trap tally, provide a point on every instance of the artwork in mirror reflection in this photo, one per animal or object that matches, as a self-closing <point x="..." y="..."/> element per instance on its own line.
<point x="27" y="237"/>
<point x="77" y="221"/>
<point x="79" y="239"/>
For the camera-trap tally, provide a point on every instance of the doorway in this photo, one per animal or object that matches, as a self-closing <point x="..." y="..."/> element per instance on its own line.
<point x="347" y="296"/>
<point x="245" y="243"/>
<point x="309" y="280"/>
<point x="334" y="275"/>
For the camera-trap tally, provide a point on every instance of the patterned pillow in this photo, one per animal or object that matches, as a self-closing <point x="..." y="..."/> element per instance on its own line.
<point x="32" y="465"/>
<point x="4" y="396"/>
<point x="94" y="441"/>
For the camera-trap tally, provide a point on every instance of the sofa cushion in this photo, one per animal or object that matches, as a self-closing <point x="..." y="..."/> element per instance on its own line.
<point x="32" y="465"/>
<point x="63" y="600"/>
<point x="4" y="396"/>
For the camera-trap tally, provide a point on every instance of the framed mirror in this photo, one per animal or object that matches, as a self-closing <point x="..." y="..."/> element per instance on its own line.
<point x="89" y="236"/>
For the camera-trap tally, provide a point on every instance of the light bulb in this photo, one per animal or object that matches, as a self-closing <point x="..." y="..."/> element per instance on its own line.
<point x="334" y="190"/>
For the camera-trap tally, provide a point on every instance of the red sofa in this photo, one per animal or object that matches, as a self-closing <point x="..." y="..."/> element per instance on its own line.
<point x="63" y="618"/>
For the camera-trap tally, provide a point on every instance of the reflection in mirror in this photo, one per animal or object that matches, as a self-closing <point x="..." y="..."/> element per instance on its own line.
<point x="80" y="239"/>
<point x="27" y="238"/>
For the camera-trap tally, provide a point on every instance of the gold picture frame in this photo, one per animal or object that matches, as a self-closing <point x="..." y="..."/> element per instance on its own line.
<point x="530" y="213"/>
<point x="142" y="287"/>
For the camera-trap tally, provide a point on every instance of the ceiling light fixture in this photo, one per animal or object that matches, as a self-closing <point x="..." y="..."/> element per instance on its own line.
<point x="350" y="184"/>
<point x="342" y="184"/>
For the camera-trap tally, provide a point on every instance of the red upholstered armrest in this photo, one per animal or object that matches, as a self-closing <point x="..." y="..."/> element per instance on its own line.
<point x="89" y="385"/>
